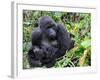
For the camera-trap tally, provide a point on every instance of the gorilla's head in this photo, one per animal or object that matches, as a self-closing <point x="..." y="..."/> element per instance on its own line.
<point x="48" y="26"/>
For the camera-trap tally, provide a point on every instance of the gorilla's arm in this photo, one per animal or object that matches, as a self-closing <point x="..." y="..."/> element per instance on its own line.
<point x="36" y="36"/>
<point x="64" y="40"/>
<point x="35" y="53"/>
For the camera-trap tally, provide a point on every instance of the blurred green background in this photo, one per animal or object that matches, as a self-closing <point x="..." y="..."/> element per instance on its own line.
<point x="79" y="24"/>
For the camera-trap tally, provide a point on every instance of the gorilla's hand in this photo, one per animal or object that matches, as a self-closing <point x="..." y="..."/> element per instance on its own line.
<point x="38" y="53"/>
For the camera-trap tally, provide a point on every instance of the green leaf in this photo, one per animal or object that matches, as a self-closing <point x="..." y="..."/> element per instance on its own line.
<point x="86" y="43"/>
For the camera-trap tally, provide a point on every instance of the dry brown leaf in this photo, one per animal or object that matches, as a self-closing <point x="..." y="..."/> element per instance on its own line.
<point x="83" y="57"/>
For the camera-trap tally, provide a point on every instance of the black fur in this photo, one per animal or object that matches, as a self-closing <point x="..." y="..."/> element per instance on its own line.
<point x="49" y="42"/>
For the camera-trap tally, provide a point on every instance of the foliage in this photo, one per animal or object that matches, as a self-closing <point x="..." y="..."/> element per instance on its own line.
<point x="79" y="24"/>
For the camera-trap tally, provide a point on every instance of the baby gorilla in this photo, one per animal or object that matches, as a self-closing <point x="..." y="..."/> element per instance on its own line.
<point x="49" y="47"/>
<point x="49" y="42"/>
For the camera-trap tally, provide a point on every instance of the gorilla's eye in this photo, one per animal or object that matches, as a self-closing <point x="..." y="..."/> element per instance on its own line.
<point x="50" y="26"/>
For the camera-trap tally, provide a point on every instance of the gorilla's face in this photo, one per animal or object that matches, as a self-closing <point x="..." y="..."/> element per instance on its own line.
<point x="48" y="26"/>
<point x="51" y="33"/>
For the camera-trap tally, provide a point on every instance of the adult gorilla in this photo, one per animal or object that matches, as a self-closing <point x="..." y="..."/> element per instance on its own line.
<point x="49" y="42"/>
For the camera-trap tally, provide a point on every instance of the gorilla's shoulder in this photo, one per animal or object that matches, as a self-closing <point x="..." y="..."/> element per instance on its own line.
<point x="61" y="29"/>
<point x="37" y="32"/>
<point x="60" y="26"/>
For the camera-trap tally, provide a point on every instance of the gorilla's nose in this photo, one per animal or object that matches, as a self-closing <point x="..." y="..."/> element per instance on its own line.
<point x="52" y="33"/>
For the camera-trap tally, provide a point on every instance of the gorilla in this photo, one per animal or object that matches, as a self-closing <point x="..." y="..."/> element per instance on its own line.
<point x="50" y="41"/>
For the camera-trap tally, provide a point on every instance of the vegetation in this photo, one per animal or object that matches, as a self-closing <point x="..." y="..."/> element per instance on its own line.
<point x="79" y="24"/>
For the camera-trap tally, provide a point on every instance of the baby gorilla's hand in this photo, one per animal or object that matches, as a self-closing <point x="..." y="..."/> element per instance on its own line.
<point x="51" y="52"/>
